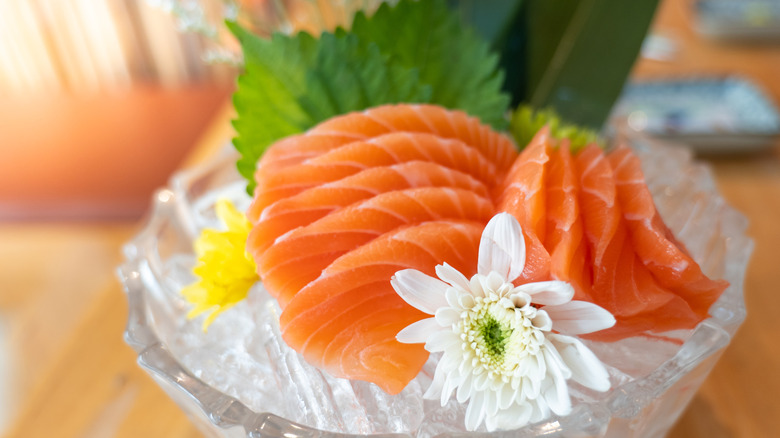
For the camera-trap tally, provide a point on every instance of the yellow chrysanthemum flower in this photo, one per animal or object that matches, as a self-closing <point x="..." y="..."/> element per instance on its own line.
<point x="225" y="269"/>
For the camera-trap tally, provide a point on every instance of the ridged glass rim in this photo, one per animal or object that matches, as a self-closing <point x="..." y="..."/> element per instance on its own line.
<point x="227" y="412"/>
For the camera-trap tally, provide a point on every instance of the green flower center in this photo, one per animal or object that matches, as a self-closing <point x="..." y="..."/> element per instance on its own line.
<point x="494" y="337"/>
<point x="498" y="336"/>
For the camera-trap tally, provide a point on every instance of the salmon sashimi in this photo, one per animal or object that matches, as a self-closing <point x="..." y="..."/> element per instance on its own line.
<point x="654" y="243"/>
<point x="621" y="283"/>
<point x="374" y="122"/>
<point x="433" y="119"/>
<point x="522" y="194"/>
<point x="293" y="150"/>
<point x="598" y="202"/>
<point x="316" y="202"/>
<point x="296" y="149"/>
<point x="611" y="250"/>
<point x="299" y="257"/>
<point x="346" y="320"/>
<point x="564" y="224"/>
<point x="384" y="150"/>
<point x="656" y="309"/>
<point x="342" y="208"/>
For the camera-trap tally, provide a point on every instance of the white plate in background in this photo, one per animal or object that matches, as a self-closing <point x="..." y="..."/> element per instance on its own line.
<point x="711" y="115"/>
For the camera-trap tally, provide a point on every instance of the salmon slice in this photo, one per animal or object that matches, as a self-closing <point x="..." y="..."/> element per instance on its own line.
<point x="621" y="283"/>
<point x="299" y="257"/>
<point x="522" y="194"/>
<point x="580" y="274"/>
<point x="296" y="149"/>
<point x="603" y="231"/>
<point x="384" y="150"/>
<point x="386" y="119"/>
<point x="656" y="247"/>
<point x="433" y="119"/>
<point x="643" y="306"/>
<point x="319" y="201"/>
<point x="293" y="150"/>
<point x="564" y="224"/>
<point x="346" y="320"/>
<point x="598" y="201"/>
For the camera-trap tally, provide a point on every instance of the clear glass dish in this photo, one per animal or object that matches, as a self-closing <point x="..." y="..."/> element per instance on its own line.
<point x="240" y="380"/>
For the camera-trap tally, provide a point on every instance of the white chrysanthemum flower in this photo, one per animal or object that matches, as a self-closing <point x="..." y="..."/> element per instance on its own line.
<point x="506" y="349"/>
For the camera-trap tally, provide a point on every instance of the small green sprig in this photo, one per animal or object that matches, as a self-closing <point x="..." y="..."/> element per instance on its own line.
<point x="526" y="122"/>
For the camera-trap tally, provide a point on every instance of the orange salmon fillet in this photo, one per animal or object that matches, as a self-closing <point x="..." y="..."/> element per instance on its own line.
<point x="346" y="320"/>
<point x="318" y="201"/>
<point x="340" y="209"/>
<point x="300" y="256"/>
<point x="564" y="232"/>
<point x="655" y="245"/>
<point x="522" y="194"/>
<point x="385" y="150"/>
<point x="374" y="122"/>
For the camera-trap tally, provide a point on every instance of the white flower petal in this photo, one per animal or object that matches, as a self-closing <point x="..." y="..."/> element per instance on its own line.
<point x="531" y="388"/>
<point x="464" y="390"/>
<point x="434" y="391"/>
<point x="490" y="422"/>
<point x="452" y="296"/>
<point x="541" y="367"/>
<point x="502" y="247"/>
<point x="419" y="290"/>
<point x="475" y="286"/>
<point x="540" y="410"/>
<point x="493" y="281"/>
<point x="450" y="363"/>
<point x="418" y="332"/>
<point x="553" y="359"/>
<point x="542" y="321"/>
<point x="586" y="368"/>
<point x="514" y="417"/>
<point x="442" y="340"/>
<point x="446" y="390"/>
<point x="506" y="396"/>
<point x="452" y="276"/>
<point x="555" y="390"/>
<point x="481" y="382"/>
<point x="521" y="300"/>
<point x="519" y="396"/>
<point x="466" y="301"/>
<point x="447" y="316"/>
<point x="475" y="412"/>
<point x="491" y="402"/>
<point x="578" y="317"/>
<point x="547" y="293"/>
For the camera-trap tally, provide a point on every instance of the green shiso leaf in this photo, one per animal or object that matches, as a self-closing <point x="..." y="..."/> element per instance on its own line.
<point x="526" y="122"/>
<point x="291" y="83"/>
<point x="451" y="57"/>
<point x="415" y="52"/>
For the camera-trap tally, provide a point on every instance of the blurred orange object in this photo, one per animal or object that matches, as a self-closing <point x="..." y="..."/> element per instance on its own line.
<point x="100" y="155"/>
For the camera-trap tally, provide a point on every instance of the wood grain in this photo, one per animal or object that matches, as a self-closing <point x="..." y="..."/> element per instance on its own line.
<point x="90" y="386"/>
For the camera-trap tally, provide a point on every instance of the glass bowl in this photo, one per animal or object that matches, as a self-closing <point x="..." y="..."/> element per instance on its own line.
<point x="240" y="380"/>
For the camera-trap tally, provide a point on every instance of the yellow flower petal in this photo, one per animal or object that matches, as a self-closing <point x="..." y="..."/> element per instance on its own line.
<point x="225" y="271"/>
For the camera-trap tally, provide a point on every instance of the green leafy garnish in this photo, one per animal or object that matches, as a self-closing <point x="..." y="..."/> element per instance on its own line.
<point x="450" y="57"/>
<point x="526" y="122"/>
<point x="414" y="52"/>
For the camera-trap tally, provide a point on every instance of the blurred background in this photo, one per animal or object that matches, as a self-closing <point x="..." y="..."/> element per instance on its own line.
<point x="102" y="100"/>
<point x="99" y="101"/>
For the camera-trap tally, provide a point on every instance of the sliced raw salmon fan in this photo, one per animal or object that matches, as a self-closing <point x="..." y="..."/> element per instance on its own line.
<point x="341" y="208"/>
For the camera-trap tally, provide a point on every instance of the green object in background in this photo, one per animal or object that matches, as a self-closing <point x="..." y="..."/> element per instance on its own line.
<point x="570" y="55"/>
<point x="587" y="70"/>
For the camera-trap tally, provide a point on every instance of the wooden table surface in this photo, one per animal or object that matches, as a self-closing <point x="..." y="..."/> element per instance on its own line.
<point x="67" y="312"/>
